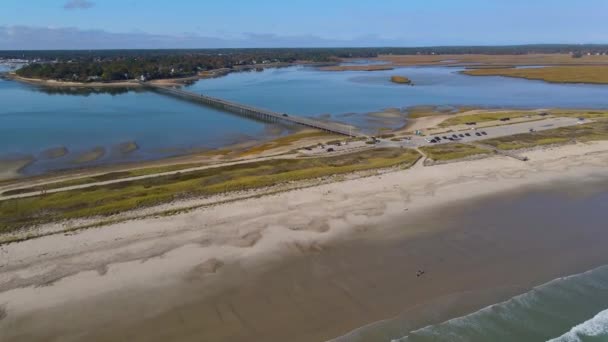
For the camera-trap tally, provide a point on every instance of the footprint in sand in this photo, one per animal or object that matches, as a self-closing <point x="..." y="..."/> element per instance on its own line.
<point x="210" y="266"/>
<point x="316" y="225"/>
<point x="3" y="312"/>
<point x="247" y="240"/>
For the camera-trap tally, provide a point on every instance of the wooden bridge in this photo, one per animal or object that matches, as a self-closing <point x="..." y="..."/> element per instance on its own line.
<point x="257" y="113"/>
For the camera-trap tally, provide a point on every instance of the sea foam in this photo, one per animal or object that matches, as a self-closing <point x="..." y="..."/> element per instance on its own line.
<point x="545" y="311"/>
<point x="595" y="327"/>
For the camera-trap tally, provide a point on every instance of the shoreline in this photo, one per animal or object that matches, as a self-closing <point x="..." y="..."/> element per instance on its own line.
<point x="66" y="84"/>
<point x="222" y="247"/>
<point x="11" y="168"/>
<point x="134" y="83"/>
<point x="392" y="62"/>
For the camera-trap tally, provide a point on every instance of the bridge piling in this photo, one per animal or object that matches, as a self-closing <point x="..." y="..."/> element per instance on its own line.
<point x="255" y="112"/>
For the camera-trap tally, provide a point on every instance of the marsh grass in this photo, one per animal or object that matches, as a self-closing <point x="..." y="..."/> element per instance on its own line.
<point x="554" y="74"/>
<point x="417" y="112"/>
<point x="484" y="117"/>
<point x="116" y="198"/>
<point x="400" y="80"/>
<point x="455" y="151"/>
<point x="285" y="141"/>
<point x="534" y="115"/>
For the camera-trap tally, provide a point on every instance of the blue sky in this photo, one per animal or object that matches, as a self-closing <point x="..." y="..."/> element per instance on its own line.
<point x="239" y="23"/>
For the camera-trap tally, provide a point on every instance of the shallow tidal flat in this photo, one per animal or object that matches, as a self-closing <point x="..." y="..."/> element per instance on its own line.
<point x="10" y="168"/>
<point x="90" y="156"/>
<point x="357" y="68"/>
<point x="54" y="153"/>
<point x="126" y="148"/>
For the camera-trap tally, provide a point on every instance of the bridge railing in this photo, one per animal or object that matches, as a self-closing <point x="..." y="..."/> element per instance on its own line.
<point x="240" y="107"/>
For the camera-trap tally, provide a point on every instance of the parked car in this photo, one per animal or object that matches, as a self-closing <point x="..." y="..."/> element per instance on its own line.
<point x="484" y="133"/>
<point x="468" y="134"/>
<point x="330" y="149"/>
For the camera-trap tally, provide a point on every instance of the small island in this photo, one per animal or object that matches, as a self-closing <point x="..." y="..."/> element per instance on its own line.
<point x="401" y="80"/>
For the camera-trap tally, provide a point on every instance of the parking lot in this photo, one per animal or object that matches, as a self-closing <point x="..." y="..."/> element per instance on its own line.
<point x="476" y="134"/>
<point x="464" y="136"/>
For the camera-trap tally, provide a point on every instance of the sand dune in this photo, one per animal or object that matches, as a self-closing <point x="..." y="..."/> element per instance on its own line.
<point x="171" y="267"/>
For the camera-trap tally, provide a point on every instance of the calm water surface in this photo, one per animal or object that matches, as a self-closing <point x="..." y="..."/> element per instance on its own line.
<point x="308" y="91"/>
<point x="33" y="120"/>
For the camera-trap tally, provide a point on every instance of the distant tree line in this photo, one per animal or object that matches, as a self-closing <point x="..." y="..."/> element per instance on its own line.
<point x="112" y="65"/>
<point x="122" y="65"/>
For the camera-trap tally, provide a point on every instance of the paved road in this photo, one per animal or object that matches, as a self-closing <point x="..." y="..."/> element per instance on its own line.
<point x="415" y="142"/>
<point x="120" y="180"/>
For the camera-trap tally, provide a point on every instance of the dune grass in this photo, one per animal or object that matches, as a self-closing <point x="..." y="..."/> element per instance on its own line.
<point x="115" y="198"/>
<point x="555" y="74"/>
<point x="587" y="114"/>
<point x="582" y="133"/>
<point x="286" y="141"/>
<point x="484" y="117"/>
<point x="417" y="112"/>
<point x="535" y="115"/>
<point x="103" y="177"/>
<point x="455" y="151"/>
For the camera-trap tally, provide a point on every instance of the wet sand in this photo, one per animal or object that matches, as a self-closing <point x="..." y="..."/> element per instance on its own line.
<point x="311" y="264"/>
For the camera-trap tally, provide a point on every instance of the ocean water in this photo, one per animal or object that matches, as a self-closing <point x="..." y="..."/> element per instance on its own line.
<point x="563" y="217"/>
<point x="569" y="309"/>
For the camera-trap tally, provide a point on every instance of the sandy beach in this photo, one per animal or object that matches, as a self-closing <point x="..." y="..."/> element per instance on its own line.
<point x="55" y="83"/>
<point x="304" y="265"/>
